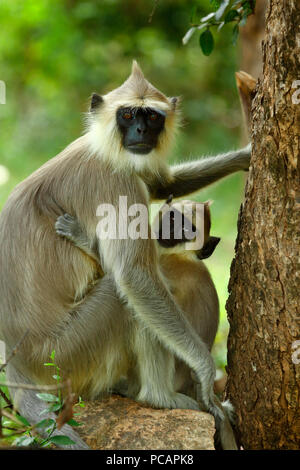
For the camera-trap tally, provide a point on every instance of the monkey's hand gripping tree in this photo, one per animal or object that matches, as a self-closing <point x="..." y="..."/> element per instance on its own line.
<point x="264" y="301"/>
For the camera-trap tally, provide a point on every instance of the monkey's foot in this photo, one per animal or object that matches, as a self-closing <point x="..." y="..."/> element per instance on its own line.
<point x="176" y="400"/>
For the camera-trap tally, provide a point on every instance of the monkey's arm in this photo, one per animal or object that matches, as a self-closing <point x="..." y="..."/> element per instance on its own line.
<point x="192" y="176"/>
<point x="134" y="265"/>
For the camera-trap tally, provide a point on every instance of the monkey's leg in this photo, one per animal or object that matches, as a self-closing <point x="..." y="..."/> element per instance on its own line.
<point x="201" y="306"/>
<point x="155" y="367"/>
<point x="32" y="408"/>
<point x="89" y="349"/>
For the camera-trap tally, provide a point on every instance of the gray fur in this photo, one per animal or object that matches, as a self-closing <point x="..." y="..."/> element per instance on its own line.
<point x="189" y="177"/>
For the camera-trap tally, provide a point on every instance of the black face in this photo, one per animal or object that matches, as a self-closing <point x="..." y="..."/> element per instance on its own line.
<point x="181" y="230"/>
<point x="178" y="228"/>
<point x="140" y="128"/>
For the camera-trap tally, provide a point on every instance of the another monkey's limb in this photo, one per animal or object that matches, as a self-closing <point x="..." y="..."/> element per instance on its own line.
<point x="33" y="409"/>
<point x="192" y="176"/>
<point x="69" y="227"/>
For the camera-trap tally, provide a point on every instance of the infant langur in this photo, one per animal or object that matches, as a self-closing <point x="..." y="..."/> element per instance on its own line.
<point x="182" y="230"/>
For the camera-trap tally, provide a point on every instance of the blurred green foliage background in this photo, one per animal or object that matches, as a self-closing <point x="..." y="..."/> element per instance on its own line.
<point x="55" y="53"/>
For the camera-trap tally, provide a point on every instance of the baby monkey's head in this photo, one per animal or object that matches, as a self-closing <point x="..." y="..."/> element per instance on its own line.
<point x="185" y="227"/>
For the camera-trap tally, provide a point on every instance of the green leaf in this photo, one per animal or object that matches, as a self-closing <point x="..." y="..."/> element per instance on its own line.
<point x="207" y="42"/>
<point x="48" y="397"/>
<point x="23" y="420"/>
<point x="231" y="15"/>
<point x="80" y="402"/>
<point x="24" y="441"/>
<point x="243" y="20"/>
<point x="220" y="26"/>
<point x="56" y="377"/>
<point x="207" y="17"/>
<point x="202" y="26"/>
<point x="188" y="35"/>
<point x="215" y="3"/>
<point x="52" y="355"/>
<point x="61" y="440"/>
<point x="45" y="423"/>
<point x="235" y="34"/>
<point x="55" y="407"/>
<point x="48" y="364"/>
<point x="219" y="13"/>
<point x="73" y="422"/>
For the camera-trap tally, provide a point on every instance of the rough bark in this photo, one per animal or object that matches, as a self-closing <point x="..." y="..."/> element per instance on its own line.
<point x="264" y="302"/>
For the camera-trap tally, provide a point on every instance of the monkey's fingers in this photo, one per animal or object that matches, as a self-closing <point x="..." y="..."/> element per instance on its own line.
<point x="65" y="225"/>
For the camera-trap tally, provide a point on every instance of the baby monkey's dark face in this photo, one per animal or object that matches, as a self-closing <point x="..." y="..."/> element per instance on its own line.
<point x="178" y="224"/>
<point x="140" y="128"/>
<point x="182" y="230"/>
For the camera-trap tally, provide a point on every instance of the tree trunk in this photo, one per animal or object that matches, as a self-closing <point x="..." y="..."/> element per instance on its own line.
<point x="264" y="301"/>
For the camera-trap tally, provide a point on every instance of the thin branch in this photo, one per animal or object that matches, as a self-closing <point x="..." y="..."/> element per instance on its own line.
<point x="153" y="11"/>
<point x="43" y="388"/>
<point x="8" y="402"/>
<point x="66" y="413"/>
<point x="17" y="431"/>
<point x="33" y="428"/>
<point x="10" y="416"/>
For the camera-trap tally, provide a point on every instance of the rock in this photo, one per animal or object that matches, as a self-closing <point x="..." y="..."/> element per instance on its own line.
<point x="117" y="423"/>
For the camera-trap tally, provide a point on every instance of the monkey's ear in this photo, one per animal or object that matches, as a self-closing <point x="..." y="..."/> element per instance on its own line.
<point x="96" y="101"/>
<point x="209" y="203"/>
<point x="174" y="101"/>
<point x="169" y="200"/>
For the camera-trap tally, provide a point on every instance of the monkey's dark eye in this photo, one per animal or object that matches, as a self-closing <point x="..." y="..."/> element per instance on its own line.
<point x="127" y="115"/>
<point x="153" y="116"/>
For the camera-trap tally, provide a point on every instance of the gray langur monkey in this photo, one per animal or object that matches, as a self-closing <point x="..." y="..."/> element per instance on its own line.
<point x="189" y="282"/>
<point x="57" y="292"/>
